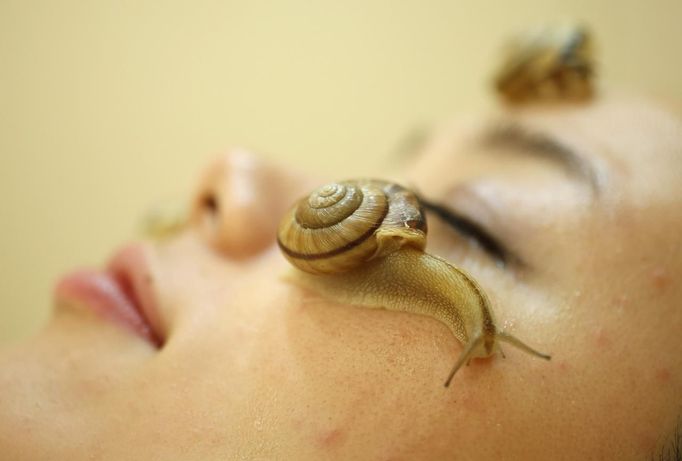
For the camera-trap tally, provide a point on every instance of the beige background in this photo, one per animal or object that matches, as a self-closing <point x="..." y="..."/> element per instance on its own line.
<point x="108" y="106"/>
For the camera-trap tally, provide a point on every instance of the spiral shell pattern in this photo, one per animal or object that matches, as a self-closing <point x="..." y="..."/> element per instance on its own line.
<point x="335" y="228"/>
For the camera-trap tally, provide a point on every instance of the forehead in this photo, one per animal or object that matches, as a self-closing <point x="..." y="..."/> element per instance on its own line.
<point x="634" y="144"/>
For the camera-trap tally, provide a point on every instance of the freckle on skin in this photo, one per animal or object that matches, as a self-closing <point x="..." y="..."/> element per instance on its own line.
<point x="332" y="438"/>
<point x="564" y="366"/>
<point x="660" y="279"/>
<point x="663" y="375"/>
<point x="602" y="339"/>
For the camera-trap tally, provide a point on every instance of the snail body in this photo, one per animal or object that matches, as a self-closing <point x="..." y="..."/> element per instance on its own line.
<point x="380" y="263"/>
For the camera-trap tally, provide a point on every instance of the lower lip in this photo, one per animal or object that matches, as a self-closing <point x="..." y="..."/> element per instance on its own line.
<point x="109" y="297"/>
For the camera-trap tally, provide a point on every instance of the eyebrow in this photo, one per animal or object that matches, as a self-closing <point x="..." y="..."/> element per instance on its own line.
<point x="509" y="134"/>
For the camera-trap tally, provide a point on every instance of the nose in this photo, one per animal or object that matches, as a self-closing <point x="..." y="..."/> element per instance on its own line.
<point x="240" y="200"/>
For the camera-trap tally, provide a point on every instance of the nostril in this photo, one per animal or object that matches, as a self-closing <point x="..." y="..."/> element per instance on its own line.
<point x="239" y="201"/>
<point x="208" y="211"/>
<point x="209" y="204"/>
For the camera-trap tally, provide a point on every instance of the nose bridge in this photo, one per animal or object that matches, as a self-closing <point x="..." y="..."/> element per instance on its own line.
<point x="239" y="203"/>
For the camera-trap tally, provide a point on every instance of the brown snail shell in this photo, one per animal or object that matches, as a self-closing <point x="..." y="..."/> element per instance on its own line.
<point x="343" y="224"/>
<point x="548" y="64"/>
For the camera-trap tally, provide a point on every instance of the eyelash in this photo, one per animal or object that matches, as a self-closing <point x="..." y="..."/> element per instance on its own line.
<point x="471" y="229"/>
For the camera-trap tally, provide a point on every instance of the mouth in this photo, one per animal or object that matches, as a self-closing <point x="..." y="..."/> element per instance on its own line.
<point x="123" y="293"/>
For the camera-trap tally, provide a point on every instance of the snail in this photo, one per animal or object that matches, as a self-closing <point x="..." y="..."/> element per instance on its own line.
<point x="548" y="64"/>
<point x="164" y="219"/>
<point x="362" y="242"/>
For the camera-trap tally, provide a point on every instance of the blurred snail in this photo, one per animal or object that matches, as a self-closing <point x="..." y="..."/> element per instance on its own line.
<point x="548" y="64"/>
<point x="164" y="219"/>
<point x="361" y="242"/>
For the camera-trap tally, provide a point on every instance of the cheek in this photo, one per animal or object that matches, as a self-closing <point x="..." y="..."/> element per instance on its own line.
<point x="334" y="373"/>
<point x="316" y="377"/>
<point x="616" y="368"/>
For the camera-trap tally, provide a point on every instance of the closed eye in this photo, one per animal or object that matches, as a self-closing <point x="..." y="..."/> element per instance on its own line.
<point x="470" y="229"/>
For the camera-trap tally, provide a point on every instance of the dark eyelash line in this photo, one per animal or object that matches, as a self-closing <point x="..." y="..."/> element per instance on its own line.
<point x="469" y="229"/>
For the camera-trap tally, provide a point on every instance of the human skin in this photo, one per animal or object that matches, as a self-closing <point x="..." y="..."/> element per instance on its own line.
<point x="254" y="367"/>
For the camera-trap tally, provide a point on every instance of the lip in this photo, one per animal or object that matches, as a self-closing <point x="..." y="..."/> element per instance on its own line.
<point x="122" y="293"/>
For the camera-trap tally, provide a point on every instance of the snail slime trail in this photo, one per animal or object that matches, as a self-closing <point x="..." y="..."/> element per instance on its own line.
<point x="362" y="242"/>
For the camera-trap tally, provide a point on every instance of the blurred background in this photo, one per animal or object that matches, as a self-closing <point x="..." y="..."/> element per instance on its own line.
<point x="107" y="107"/>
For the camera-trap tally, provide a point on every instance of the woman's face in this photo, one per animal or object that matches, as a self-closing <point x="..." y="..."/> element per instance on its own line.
<point x="585" y="202"/>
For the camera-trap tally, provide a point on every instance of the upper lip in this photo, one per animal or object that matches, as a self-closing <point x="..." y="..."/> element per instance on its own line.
<point x="131" y="270"/>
